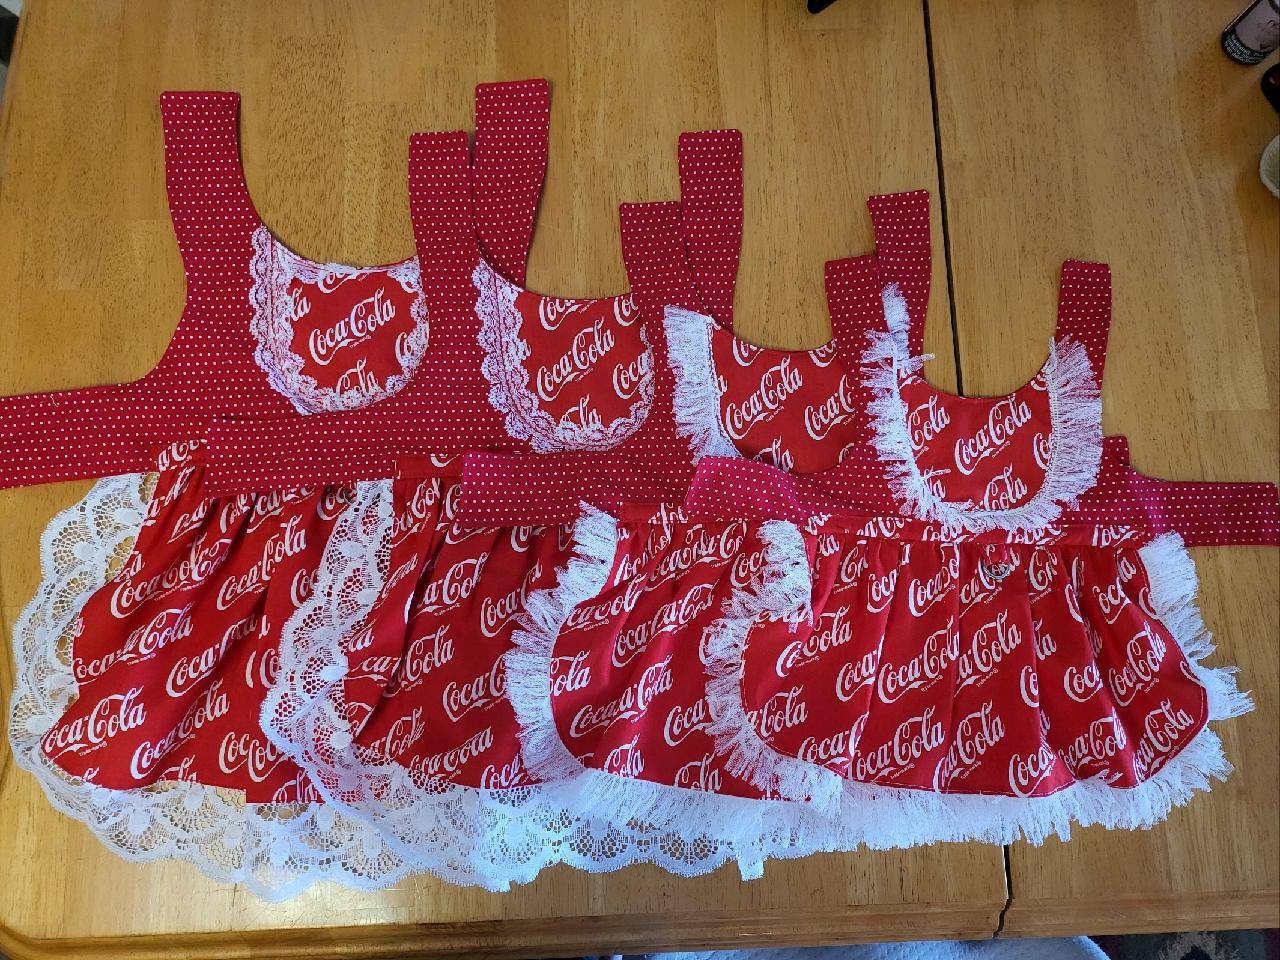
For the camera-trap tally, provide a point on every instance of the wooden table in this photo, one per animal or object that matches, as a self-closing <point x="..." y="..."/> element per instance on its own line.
<point x="1097" y="130"/>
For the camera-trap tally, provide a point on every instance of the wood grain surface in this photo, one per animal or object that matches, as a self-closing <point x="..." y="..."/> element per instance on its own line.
<point x="1137" y="148"/>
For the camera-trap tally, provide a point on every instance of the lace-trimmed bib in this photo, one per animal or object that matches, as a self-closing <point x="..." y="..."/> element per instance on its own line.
<point x="332" y="337"/>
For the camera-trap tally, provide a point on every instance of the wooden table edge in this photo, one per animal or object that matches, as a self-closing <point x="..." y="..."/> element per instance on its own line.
<point x="1242" y="910"/>
<point x="542" y="937"/>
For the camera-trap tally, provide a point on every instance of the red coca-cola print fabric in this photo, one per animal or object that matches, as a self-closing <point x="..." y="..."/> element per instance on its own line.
<point x="174" y="654"/>
<point x="611" y="692"/>
<point x="1033" y="671"/>
<point x="332" y="337"/>
<point x="566" y="374"/>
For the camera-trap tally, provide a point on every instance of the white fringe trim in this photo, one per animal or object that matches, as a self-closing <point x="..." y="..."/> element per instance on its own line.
<point x="1075" y="443"/>
<point x="696" y="397"/>
<point x="747" y="831"/>
<point x="883" y="817"/>
<point x="782" y="591"/>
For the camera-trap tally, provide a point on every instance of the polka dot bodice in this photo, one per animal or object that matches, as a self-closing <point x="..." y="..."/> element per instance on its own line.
<point x="508" y="369"/>
<point x="264" y="332"/>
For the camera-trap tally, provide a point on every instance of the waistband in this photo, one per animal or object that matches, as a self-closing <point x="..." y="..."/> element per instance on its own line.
<point x="1203" y="513"/>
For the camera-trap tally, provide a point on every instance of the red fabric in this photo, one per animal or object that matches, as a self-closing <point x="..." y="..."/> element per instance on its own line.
<point x="929" y="669"/>
<point x="209" y="367"/>
<point x="565" y="375"/>
<point x="175" y="653"/>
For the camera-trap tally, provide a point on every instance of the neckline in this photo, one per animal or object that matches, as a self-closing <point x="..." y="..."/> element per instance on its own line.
<point x="1075" y="428"/>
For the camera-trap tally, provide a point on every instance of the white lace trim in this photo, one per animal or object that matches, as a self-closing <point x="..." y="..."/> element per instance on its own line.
<point x="275" y="850"/>
<point x="782" y="591"/>
<point x="273" y="267"/>
<point x="696" y="397"/>
<point x="505" y="353"/>
<point x="889" y="817"/>
<point x="1075" y="441"/>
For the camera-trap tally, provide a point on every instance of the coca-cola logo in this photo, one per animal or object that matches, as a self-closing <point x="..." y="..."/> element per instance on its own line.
<point x="261" y="668"/>
<point x="839" y="408"/>
<point x="1144" y="653"/>
<point x="289" y="541"/>
<point x="587" y="616"/>
<point x="1081" y="683"/>
<point x="913" y="739"/>
<point x="111" y="716"/>
<point x="497" y="612"/>
<point x="880" y="588"/>
<point x="363" y="321"/>
<point x="778" y="455"/>
<point x="197" y="565"/>
<point x="189" y="671"/>
<point x="683" y="720"/>
<point x="670" y="618"/>
<point x="922" y="595"/>
<point x="833" y="629"/>
<point x="626" y="760"/>
<point x="570" y="674"/>
<point x="1112" y="536"/>
<point x="926" y="421"/>
<point x="1163" y="733"/>
<point x="457" y="584"/>
<point x="785" y="710"/>
<point x="974" y="736"/>
<point x="1105" y="738"/>
<point x="423" y="656"/>
<point x="552" y="311"/>
<point x="588" y="349"/>
<point x="699" y="548"/>
<point x="403" y="733"/>
<point x="632" y="703"/>
<point x="1004" y="491"/>
<point x="447" y="763"/>
<point x="1026" y="773"/>
<point x="701" y="774"/>
<point x="504" y="776"/>
<point x="189" y="520"/>
<point x="940" y="650"/>
<point x="212" y="704"/>
<point x="776" y="384"/>
<point x="164" y="629"/>
<point x="634" y="377"/>
<point x="989" y="646"/>
<point x="257" y="758"/>
<point x="853" y="675"/>
<point x="478" y="693"/>
<point x="1003" y="422"/>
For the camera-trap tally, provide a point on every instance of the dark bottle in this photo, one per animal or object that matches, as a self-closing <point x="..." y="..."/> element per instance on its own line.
<point x="1271" y="86"/>
<point x="1253" y="34"/>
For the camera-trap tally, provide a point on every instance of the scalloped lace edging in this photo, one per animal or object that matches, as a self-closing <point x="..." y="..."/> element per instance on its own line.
<point x="505" y="352"/>
<point x="275" y="850"/>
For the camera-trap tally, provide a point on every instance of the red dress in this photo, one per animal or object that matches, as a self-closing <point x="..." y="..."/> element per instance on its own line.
<point x="612" y="690"/>
<point x="1004" y="637"/>
<point x="392" y="690"/>
<point x="145" y="656"/>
